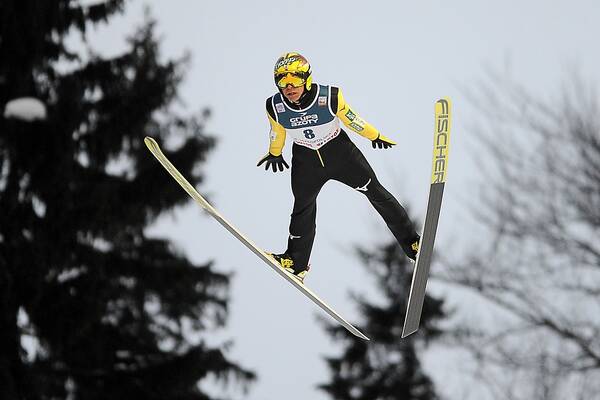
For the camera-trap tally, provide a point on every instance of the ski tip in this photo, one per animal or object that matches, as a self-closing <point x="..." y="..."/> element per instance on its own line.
<point x="152" y="145"/>
<point x="444" y="101"/>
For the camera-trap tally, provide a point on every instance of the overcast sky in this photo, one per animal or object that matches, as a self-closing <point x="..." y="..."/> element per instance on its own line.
<point x="392" y="60"/>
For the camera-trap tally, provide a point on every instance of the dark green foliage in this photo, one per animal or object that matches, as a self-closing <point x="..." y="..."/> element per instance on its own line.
<point x="387" y="367"/>
<point x="105" y="303"/>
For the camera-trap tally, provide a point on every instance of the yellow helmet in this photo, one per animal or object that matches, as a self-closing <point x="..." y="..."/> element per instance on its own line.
<point x="292" y="69"/>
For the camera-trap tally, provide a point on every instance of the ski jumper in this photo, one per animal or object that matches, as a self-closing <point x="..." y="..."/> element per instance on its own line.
<point x="322" y="151"/>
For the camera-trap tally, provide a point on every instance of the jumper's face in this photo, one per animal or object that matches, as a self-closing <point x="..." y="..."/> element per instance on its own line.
<point x="293" y="93"/>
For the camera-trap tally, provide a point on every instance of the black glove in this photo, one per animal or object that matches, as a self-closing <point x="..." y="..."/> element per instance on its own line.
<point x="382" y="142"/>
<point x="273" y="161"/>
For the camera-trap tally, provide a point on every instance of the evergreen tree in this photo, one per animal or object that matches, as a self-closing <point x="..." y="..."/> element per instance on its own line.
<point x="387" y="367"/>
<point x="104" y="304"/>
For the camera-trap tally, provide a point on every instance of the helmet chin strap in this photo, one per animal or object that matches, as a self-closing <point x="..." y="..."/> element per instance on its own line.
<point x="303" y="95"/>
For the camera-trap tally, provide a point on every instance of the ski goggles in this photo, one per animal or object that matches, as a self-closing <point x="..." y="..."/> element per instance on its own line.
<point x="285" y="79"/>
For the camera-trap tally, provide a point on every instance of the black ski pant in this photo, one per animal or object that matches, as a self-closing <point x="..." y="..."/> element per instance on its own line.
<point x="342" y="161"/>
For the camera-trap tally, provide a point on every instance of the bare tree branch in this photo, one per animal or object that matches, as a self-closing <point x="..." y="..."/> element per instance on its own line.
<point x="538" y="270"/>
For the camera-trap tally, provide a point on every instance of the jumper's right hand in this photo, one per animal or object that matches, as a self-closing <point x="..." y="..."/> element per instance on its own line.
<point x="274" y="162"/>
<point x="382" y="142"/>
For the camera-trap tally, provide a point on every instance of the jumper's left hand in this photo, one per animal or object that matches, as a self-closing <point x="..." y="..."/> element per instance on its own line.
<point x="382" y="142"/>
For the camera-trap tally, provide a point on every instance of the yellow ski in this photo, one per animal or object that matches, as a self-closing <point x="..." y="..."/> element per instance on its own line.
<point x="157" y="152"/>
<point x="441" y="144"/>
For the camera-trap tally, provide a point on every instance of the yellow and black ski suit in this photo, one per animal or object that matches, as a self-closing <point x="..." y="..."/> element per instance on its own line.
<point x="323" y="151"/>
